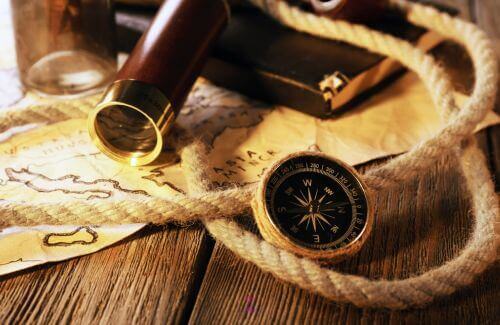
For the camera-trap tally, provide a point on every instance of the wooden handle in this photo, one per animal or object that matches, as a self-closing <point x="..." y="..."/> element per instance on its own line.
<point x="172" y="52"/>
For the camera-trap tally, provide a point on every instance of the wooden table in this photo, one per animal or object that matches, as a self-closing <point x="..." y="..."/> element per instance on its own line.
<point x="173" y="274"/>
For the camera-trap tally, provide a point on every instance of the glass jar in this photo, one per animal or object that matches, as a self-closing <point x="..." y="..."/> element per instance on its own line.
<point x="65" y="47"/>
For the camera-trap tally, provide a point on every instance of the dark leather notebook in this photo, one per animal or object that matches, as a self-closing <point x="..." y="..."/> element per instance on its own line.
<point x="263" y="59"/>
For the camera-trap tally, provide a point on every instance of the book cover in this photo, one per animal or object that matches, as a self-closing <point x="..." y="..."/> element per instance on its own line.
<point x="262" y="59"/>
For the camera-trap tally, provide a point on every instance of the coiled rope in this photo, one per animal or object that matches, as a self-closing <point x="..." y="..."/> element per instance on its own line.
<point x="215" y="207"/>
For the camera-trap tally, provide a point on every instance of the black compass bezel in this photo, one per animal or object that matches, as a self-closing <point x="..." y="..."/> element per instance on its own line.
<point x="337" y="168"/>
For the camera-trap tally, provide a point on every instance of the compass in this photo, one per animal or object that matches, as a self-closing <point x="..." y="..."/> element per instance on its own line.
<point x="313" y="205"/>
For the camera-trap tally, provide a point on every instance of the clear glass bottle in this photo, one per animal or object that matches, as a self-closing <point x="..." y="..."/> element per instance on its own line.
<point x="65" y="47"/>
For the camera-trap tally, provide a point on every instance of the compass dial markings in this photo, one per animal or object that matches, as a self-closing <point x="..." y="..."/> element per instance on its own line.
<point x="304" y="203"/>
<point x="316" y="218"/>
<point x="322" y="218"/>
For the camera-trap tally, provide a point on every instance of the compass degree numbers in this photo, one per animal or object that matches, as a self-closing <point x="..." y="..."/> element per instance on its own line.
<point x="316" y="202"/>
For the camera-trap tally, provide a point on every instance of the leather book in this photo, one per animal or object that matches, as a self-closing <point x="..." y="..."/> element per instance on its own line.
<point x="262" y="59"/>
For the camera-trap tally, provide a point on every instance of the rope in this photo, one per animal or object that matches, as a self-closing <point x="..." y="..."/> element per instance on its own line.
<point x="463" y="122"/>
<point x="214" y="207"/>
<point x="215" y="204"/>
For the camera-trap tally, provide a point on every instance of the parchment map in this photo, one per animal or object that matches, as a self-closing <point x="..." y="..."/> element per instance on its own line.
<point x="57" y="162"/>
<point x="84" y="235"/>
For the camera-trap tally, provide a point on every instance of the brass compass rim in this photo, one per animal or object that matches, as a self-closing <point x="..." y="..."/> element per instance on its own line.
<point x="275" y="235"/>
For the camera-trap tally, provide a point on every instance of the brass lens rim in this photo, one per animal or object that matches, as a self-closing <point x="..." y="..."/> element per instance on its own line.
<point x="142" y="98"/>
<point x="127" y="157"/>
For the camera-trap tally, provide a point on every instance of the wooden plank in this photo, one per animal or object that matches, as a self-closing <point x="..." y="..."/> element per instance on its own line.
<point x="487" y="14"/>
<point x="419" y="226"/>
<point x="152" y="277"/>
<point x="494" y="153"/>
<point x="156" y="276"/>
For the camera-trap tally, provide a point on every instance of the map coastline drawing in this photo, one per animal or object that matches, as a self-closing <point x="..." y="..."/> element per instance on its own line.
<point x="83" y="235"/>
<point x="56" y="161"/>
<point x="64" y="183"/>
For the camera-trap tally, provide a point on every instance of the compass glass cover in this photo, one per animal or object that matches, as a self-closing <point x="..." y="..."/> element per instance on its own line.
<point x="316" y="202"/>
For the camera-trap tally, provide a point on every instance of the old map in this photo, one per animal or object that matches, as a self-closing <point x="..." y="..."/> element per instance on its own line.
<point x="55" y="162"/>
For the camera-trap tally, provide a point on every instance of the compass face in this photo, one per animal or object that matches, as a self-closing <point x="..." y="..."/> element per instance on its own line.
<point x="316" y="202"/>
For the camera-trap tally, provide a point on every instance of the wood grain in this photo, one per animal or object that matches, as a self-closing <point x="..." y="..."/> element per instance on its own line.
<point x="175" y="275"/>
<point x="419" y="226"/>
<point x="152" y="277"/>
<point x="487" y="15"/>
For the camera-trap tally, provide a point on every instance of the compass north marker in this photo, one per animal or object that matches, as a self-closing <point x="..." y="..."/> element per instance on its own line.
<point x="314" y="205"/>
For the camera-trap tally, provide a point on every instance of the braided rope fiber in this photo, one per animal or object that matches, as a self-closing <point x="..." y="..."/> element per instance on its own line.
<point x="214" y="207"/>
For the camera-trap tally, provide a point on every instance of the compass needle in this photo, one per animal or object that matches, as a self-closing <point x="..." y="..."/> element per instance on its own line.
<point x="296" y="204"/>
<point x="325" y="212"/>
<point x="314" y="222"/>
<point x="322" y="218"/>
<point x="304" y="218"/>
<point x="338" y="204"/>
<point x="303" y="196"/>
<point x="304" y="203"/>
<point x="321" y="225"/>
